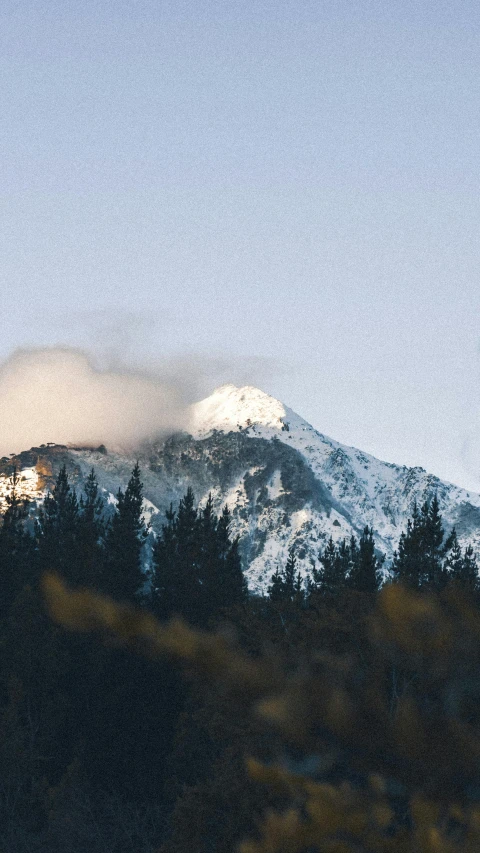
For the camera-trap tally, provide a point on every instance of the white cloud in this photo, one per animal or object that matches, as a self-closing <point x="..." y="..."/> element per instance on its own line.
<point x="58" y="395"/>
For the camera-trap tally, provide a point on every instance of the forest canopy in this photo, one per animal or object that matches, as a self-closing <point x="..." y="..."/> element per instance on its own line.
<point x="339" y="712"/>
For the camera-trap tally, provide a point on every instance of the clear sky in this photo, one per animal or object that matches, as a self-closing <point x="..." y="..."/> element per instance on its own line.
<point x="287" y="192"/>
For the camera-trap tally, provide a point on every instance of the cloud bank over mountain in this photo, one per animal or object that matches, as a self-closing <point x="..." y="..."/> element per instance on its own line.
<point x="58" y="395"/>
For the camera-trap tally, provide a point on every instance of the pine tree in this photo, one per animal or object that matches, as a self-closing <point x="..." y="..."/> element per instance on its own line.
<point x="206" y="570"/>
<point x="469" y="572"/>
<point x="290" y="575"/>
<point x="56" y="530"/>
<point x="453" y="555"/>
<point x="408" y="560"/>
<point x="331" y="577"/>
<point x="364" y="574"/>
<point x="123" y="573"/>
<point x="460" y="567"/>
<point x="91" y="533"/>
<point x="234" y="588"/>
<point x="432" y="540"/>
<point x="420" y="559"/>
<point x="197" y="571"/>
<point x="275" y="590"/>
<point x="286" y="585"/>
<point x="167" y="585"/>
<point x="185" y="591"/>
<point x="15" y="547"/>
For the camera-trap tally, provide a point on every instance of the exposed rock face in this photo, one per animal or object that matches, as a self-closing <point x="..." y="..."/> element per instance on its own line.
<point x="284" y="482"/>
<point x="44" y="469"/>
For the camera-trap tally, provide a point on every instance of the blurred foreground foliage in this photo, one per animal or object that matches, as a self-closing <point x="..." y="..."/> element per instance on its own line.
<point x="368" y="738"/>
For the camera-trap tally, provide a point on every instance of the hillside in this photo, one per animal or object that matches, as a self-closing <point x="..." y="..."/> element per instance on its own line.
<point x="285" y="482"/>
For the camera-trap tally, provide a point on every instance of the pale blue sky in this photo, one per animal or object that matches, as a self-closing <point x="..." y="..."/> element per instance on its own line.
<point x="296" y="182"/>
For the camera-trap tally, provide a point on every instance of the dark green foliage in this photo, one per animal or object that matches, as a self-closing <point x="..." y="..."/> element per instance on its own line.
<point x="330" y="578"/>
<point x="235" y="589"/>
<point x="419" y="561"/>
<point x="123" y="574"/>
<point x="196" y="567"/>
<point x="469" y="571"/>
<point x="432" y="540"/>
<point x="56" y="530"/>
<point x="15" y="547"/>
<point x="105" y="750"/>
<point x="425" y="560"/>
<point x="364" y="574"/>
<point x="460" y="567"/>
<point x="91" y="532"/>
<point x="348" y="565"/>
<point x="406" y="560"/>
<point x="286" y="585"/>
<point x="453" y="555"/>
<point x="69" y="533"/>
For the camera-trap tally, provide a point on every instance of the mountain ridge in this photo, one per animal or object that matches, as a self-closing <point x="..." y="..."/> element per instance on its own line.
<point x="285" y="482"/>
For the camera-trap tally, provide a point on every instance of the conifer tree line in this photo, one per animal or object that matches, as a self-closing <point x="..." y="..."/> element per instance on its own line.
<point x="425" y="559"/>
<point x="101" y="749"/>
<point x="195" y="567"/>
<point x="87" y="731"/>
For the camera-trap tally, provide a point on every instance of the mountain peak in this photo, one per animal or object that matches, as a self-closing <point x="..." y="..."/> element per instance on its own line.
<point x="231" y="408"/>
<point x="285" y="483"/>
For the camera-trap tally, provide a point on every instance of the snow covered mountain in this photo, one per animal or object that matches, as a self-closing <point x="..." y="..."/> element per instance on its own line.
<point x="285" y="483"/>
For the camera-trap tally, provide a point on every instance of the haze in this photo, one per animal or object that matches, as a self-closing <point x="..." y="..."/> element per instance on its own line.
<point x="281" y="192"/>
<point x="58" y="395"/>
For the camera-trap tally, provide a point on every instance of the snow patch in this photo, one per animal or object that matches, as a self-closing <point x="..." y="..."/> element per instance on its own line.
<point x="232" y="409"/>
<point x="274" y="486"/>
<point x="27" y="487"/>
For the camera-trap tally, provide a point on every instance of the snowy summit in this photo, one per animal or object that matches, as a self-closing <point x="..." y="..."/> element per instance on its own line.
<point x="230" y="408"/>
<point x="285" y="483"/>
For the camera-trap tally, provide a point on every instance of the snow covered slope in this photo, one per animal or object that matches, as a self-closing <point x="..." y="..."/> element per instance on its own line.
<point x="363" y="490"/>
<point x="284" y="482"/>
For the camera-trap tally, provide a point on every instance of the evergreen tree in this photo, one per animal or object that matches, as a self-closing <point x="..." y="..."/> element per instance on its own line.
<point x="453" y="555"/>
<point x="123" y="574"/>
<point x="176" y="582"/>
<point x="420" y="559"/>
<point x="351" y="564"/>
<point x="408" y="560"/>
<point x="91" y="533"/>
<point x="345" y="557"/>
<point x="469" y="572"/>
<point x="234" y="588"/>
<point x="460" y="567"/>
<point x="432" y="540"/>
<point x="406" y="566"/>
<point x="15" y="547"/>
<point x="330" y="578"/>
<point x="56" y="530"/>
<point x="196" y="567"/>
<point x="353" y="555"/>
<point x="364" y="574"/>
<point x="286" y="585"/>
<point x="290" y="573"/>
<point x="166" y="582"/>
<point x="275" y="590"/>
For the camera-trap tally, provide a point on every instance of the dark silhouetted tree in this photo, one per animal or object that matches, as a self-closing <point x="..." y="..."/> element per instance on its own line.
<point x="91" y="533"/>
<point x="432" y="540"/>
<point x="56" y="531"/>
<point x="286" y="585"/>
<point x="419" y="560"/>
<point x="123" y="574"/>
<point x="15" y="547"/>
<point x="197" y="571"/>
<point x="364" y="575"/>
<point x="460" y="567"/>
<point x="330" y="577"/>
